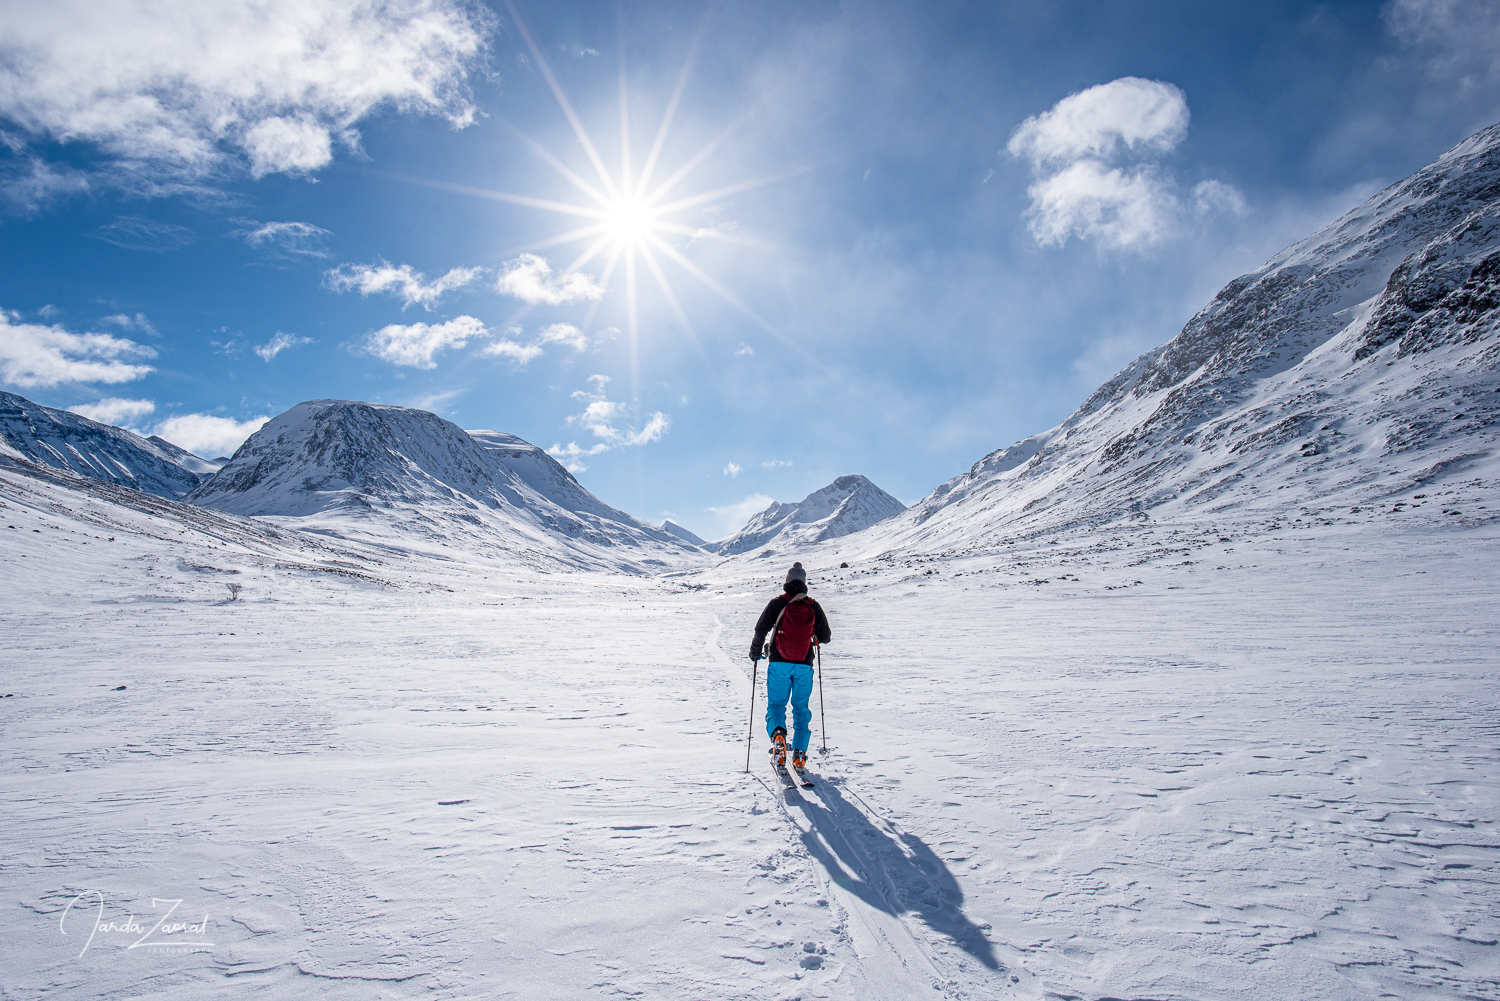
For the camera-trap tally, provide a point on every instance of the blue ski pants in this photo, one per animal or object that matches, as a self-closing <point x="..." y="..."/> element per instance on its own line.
<point x="785" y="680"/>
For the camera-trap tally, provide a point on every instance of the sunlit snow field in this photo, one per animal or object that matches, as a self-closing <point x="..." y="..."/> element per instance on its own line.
<point x="1143" y="763"/>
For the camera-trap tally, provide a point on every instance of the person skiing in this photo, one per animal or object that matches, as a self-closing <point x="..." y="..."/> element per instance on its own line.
<point x="793" y="619"/>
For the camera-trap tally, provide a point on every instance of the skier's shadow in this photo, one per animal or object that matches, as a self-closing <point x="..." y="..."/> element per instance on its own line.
<point x="892" y="871"/>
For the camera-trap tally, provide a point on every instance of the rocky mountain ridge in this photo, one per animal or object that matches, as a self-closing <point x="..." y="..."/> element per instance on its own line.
<point x="65" y="440"/>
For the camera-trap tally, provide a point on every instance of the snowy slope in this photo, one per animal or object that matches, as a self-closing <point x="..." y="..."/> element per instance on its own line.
<point x="672" y="528"/>
<point x="411" y="478"/>
<point x="846" y="505"/>
<point x="1353" y="376"/>
<point x="65" y="440"/>
<point x="373" y="774"/>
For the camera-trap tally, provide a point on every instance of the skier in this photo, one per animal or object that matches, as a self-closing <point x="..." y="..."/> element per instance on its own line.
<point x="792" y="619"/>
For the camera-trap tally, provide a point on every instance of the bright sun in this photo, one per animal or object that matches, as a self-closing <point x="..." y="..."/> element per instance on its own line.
<point x="629" y="217"/>
<point x="628" y="221"/>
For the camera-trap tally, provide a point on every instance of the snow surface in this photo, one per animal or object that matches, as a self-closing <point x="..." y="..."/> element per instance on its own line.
<point x="845" y="506"/>
<point x="1145" y="762"/>
<point x="67" y="441"/>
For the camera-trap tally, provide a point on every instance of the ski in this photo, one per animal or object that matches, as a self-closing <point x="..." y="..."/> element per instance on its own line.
<point x="784" y="773"/>
<point x="803" y="779"/>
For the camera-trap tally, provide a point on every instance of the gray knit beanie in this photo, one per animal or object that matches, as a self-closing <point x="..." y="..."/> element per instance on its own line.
<point x="796" y="573"/>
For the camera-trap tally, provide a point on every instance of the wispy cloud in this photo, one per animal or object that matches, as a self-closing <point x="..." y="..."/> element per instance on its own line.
<point x="412" y="286"/>
<point x="280" y="343"/>
<point x="606" y="420"/>
<point x="745" y="350"/>
<point x="1094" y="157"/>
<point x="530" y="279"/>
<point x="135" y="232"/>
<point x="33" y="355"/>
<point x="1459" y="39"/>
<point x="177" y="93"/>
<point x="416" y="345"/>
<point x="733" y="469"/>
<point x="114" y="410"/>
<point x="521" y="354"/>
<point x="776" y="464"/>
<point x="127" y="322"/>
<point x="293" y="239"/>
<point x="435" y="401"/>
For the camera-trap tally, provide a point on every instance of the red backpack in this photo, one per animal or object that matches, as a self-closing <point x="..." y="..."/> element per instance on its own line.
<point x="792" y="636"/>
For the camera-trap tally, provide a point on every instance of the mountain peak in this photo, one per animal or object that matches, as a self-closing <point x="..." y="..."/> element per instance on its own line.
<point x="396" y="471"/>
<point x="848" y="504"/>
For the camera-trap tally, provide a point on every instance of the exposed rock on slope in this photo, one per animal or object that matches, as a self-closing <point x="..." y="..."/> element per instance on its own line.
<point x="845" y="506"/>
<point x="1349" y="374"/>
<point x="404" y="474"/>
<point x="65" y="440"/>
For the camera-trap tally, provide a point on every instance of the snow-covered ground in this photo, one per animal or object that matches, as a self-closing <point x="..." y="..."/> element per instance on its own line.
<point x="1145" y="762"/>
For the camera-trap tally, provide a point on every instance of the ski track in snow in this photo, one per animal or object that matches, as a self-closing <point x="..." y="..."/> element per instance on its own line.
<point x="1145" y="763"/>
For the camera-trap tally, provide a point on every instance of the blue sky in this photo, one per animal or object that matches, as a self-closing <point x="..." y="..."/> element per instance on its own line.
<point x="904" y="236"/>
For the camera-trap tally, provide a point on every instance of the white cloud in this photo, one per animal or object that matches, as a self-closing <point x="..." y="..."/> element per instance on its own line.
<point x="176" y="91"/>
<point x="35" y="355"/>
<point x="530" y="279"/>
<point x="280" y="343"/>
<point x="113" y="410"/>
<point x="1093" y="155"/>
<point x="521" y="354"/>
<point x="776" y="463"/>
<point x="602" y="416"/>
<point x="1131" y="112"/>
<point x="138" y="233"/>
<point x="301" y="239"/>
<point x="733" y="469"/>
<point x="732" y="517"/>
<point x="416" y="345"/>
<point x="207" y="435"/>
<point x="412" y="286"/>
<point x="1120" y="209"/>
<point x="564" y="333"/>
<point x="746" y="350"/>
<point x="287" y="146"/>
<point x="1460" y="39"/>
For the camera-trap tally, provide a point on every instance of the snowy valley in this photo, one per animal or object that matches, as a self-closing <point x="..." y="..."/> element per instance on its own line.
<point x="1192" y="696"/>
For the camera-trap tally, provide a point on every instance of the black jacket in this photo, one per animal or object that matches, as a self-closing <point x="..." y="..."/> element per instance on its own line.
<point x="768" y="620"/>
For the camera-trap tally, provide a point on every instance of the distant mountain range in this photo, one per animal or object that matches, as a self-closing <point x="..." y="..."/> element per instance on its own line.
<point x="1353" y="377"/>
<point x="847" y="505"/>
<point x="408" y="476"/>
<point x="65" y="440"/>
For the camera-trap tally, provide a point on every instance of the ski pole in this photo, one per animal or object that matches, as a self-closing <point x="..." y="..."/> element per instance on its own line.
<point x="750" y="738"/>
<point x="821" y="714"/>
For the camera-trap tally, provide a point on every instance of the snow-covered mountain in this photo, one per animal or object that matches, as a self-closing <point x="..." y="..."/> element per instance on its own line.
<point x="672" y="528"/>
<point x="845" y="506"/>
<point x="65" y="440"/>
<point x="408" y="476"/>
<point x="1352" y="377"/>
